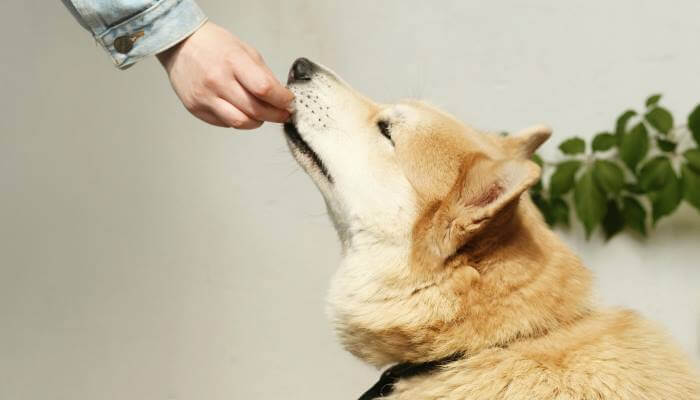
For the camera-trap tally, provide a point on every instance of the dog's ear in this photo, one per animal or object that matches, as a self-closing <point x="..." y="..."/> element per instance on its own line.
<point x="483" y="190"/>
<point x="524" y="143"/>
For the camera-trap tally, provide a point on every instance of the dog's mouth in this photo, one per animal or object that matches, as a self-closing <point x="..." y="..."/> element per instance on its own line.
<point x="294" y="137"/>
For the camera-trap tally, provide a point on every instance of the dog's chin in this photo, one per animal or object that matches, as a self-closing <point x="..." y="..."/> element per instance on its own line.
<point x="304" y="154"/>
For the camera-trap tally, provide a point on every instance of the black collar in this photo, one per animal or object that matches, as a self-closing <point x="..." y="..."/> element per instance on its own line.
<point x="385" y="385"/>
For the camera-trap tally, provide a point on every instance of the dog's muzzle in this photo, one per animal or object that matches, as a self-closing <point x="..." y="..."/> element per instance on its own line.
<point x="302" y="70"/>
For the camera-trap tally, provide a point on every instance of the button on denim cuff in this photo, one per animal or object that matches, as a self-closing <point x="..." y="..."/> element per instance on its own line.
<point x="156" y="29"/>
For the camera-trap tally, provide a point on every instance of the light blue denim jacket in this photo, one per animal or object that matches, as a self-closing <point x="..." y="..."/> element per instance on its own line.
<point x="132" y="29"/>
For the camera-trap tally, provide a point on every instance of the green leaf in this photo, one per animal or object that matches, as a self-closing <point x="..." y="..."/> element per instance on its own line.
<point x="537" y="187"/>
<point x="693" y="157"/>
<point x="655" y="173"/>
<point x="691" y="186"/>
<point x="634" y="146"/>
<point x="613" y="221"/>
<point x="634" y="188"/>
<point x="562" y="179"/>
<point x="653" y="99"/>
<point x="589" y="202"/>
<point x="543" y="205"/>
<point x="634" y="214"/>
<point x="538" y="160"/>
<point x="621" y="124"/>
<point x="560" y="211"/>
<point x="603" y="141"/>
<point x="609" y="176"/>
<point x="666" y="145"/>
<point x="666" y="200"/>
<point x="574" y="145"/>
<point x="660" y="118"/>
<point x="694" y="123"/>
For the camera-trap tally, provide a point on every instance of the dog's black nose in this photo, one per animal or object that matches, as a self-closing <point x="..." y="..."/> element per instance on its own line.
<point x="301" y="70"/>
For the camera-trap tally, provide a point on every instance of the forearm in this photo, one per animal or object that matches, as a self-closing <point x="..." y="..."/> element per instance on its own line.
<point x="129" y="30"/>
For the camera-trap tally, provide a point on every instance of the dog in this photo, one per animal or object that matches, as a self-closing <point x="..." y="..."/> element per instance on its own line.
<point x="448" y="269"/>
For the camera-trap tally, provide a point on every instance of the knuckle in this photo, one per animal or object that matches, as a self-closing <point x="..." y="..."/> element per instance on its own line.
<point x="231" y="60"/>
<point x="210" y="80"/>
<point x="263" y="88"/>
<point x="239" y="123"/>
<point x="255" y="55"/>
<point x="196" y="96"/>
<point x="192" y="105"/>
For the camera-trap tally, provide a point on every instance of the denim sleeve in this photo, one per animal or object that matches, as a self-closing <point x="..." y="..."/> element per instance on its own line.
<point x="132" y="29"/>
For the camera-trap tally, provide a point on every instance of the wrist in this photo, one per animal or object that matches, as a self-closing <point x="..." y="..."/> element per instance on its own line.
<point x="168" y="55"/>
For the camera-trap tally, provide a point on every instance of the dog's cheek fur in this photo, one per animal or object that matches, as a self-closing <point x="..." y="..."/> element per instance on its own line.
<point x="484" y="297"/>
<point x="444" y="304"/>
<point x="384" y="321"/>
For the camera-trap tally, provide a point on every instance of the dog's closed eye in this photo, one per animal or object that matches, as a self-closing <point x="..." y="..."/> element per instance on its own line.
<point x="384" y="129"/>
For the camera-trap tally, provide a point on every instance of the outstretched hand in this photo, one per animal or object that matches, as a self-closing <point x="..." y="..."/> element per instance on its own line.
<point x="223" y="81"/>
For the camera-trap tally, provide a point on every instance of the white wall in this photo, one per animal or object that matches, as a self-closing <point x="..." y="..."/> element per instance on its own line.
<point x="145" y="255"/>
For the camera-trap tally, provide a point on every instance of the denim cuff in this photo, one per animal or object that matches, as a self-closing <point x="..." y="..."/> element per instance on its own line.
<point x="156" y="29"/>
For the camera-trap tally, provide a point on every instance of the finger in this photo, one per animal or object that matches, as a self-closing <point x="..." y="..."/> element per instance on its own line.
<point x="252" y="107"/>
<point x="232" y="116"/>
<point x="210" y="118"/>
<point x="261" y="84"/>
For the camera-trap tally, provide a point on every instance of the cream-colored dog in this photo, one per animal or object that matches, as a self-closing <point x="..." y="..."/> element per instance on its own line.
<point x="445" y="257"/>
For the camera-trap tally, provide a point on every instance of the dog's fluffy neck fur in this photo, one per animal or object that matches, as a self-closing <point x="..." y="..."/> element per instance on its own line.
<point x="496" y="290"/>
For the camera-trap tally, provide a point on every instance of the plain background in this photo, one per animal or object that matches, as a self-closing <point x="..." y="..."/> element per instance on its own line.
<point x="146" y="255"/>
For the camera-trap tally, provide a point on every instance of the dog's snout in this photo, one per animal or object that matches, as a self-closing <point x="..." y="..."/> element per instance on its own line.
<point x="301" y="70"/>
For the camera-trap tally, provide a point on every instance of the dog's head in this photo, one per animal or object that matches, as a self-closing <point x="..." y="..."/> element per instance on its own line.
<point x="407" y="187"/>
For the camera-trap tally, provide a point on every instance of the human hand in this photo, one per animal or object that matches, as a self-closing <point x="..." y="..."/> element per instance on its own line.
<point x="223" y="81"/>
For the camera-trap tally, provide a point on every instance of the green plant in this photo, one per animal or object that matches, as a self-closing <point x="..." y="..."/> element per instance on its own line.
<point x="645" y="163"/>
